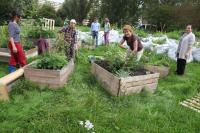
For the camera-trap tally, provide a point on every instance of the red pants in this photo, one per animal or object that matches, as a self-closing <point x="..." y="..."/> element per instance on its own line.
<point x="19" y="57"/>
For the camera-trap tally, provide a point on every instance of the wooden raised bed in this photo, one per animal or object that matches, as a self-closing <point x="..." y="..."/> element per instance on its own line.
<point x="164" y="71"/>
<point x="5" y="54"/>
<point x="49" y="78"/>
<point x="118" y="86"/>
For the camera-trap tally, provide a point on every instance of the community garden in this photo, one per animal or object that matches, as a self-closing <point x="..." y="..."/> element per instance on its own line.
<point x="101" y="90"/>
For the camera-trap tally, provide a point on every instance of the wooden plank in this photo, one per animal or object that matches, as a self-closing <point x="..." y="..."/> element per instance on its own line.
<point x="139" y="83"/>
<point x="137" y="89"/>
<point x="51" y="78"/>
<point x="192" y="105"/>
<point x="138" y="78"/>
<point x="188" y="106"/>
<point x="4" y="93"/>
<point x="164" y="71"/>
<point x="4" y="50"/>
<point x="108" y="80"/>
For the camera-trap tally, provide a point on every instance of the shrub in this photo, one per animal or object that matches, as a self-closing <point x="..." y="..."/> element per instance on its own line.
<point x="35" y="33"/>
<point x="174" y="35"/>
<point x="51" y="61"/>
<point x="141" y="33"/>
<point x="160" y="41"/>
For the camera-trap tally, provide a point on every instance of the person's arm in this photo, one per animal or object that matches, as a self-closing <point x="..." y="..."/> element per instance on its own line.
<point x="135" y="45"/>
<point x="62" y="30"/>
<point x="91" y="28"/>
<point x="99" y="27"/>
<point x="191" y="42"/>
<point x="11" y="30"/>
<point x="109" y="27"/>
<point x="121" y="43"/>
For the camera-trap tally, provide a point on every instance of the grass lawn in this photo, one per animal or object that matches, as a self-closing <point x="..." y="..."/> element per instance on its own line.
<point x="3" y="69"/>
<point x="32" y="110"/>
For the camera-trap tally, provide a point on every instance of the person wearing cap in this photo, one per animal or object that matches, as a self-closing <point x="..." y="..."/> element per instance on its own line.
<point x="95" y="28"/>
<point x="106" y="31"/>
<point x="70" y="36"/>
<point x="14" y="44"/>
<point x="134" y="43"/>
<point x="184" y="50"/>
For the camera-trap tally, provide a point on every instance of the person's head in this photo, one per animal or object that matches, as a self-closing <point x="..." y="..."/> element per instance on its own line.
<point x="16" y="16"/>
<point x="95" y="19"/>
<point x="106" y="20"/>
<point x="189" y="28"/>
<point x="73" y="23"/>
<point x="127" y="30"/>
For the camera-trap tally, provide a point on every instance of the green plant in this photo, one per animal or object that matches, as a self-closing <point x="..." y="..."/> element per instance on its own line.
<point x="36" y="33"/>
<point x="3" y="36"/>
<point x="158" y="34"/>
<point x="51" y="61"/>
<point x="174" y="35"/>
<point x="160" y="41"/>
<point x="141" y="33"/>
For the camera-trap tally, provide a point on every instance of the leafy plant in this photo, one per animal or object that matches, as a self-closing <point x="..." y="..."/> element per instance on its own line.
<point x="36" y="33"/>
<point x="160" y="41"/>
<point x="51" y="61"/>
<point x="174" y="35"/>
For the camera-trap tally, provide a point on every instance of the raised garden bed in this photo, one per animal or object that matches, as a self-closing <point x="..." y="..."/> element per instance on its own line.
<point x="163" y="70"/>
<point x="119" y="86"/>
<point x="49" y="78"/>
<point x="5" y="54"/>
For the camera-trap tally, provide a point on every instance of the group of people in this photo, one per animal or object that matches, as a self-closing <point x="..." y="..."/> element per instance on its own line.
<point x="70" y="36"/>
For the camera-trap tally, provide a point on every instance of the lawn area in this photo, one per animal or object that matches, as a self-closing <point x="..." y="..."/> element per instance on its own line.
<point x="3" y="69"/>
<point x="32" y="110"/>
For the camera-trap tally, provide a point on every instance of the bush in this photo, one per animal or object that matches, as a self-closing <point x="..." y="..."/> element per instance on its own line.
<point x="141" y="33"/>
<point x="35" y="33"/>
<point x="174" y="35"/>
<point x="51" y="61"/>
<point x="160" y="41"/>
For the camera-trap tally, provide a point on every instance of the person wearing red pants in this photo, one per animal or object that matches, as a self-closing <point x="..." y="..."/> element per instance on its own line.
<point x="16" y="49"/>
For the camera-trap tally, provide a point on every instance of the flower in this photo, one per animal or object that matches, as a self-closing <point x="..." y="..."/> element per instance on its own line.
<point x="81" y="123"/>
<point x="88" y="125"/>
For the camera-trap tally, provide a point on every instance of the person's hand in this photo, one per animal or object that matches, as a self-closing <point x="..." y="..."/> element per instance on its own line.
<point x="14" y="50"/>
<point x="187" y="55"/>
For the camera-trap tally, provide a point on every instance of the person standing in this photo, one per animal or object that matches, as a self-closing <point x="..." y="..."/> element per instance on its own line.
<point x="106" y="31"/>
<point x="70" y="36"/>
<point x="184" y="50"/>
<point x="95" y="28"/>
<point x="42" y="44"/>
<point x="134" y="43"/>
<point x="14" y="44"/>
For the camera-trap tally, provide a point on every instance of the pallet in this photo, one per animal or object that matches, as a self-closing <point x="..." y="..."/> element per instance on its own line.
<point x="119" y="86"/>
<point x="49" y="78"/>
<point x="193" y="103"/>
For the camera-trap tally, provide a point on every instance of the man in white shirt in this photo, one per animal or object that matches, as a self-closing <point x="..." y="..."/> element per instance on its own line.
<point x="95" y="28"/>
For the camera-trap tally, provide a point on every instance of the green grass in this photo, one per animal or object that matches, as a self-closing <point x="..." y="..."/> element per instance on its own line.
<point x="160" y="41"/>
<point x="83" y="28"/>
<point x="3" y="69"/>
<point x="59" y="111"/>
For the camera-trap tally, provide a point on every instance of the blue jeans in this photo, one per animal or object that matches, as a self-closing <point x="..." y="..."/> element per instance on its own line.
<point x="95" y="35"/>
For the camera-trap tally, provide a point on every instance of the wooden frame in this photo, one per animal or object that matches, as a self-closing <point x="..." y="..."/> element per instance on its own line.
<point x="164" y="71"/>
<point x="5" y="54"/>
<point x="49" y="78"/>
<point x="118" y="86"/>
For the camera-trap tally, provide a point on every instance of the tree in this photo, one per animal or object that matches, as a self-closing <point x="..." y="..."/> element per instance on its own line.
<point x="47" y="11"/>
<point x="77" y="9"/>
<point x="122" y="11"/>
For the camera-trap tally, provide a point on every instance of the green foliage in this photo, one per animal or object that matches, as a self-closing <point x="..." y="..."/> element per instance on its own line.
<point x="141" y="33"/>
<point x="160" y="41"/>
<point x="156" y="59"/>
<point x="36" y="33"/>
<point x="52" y="111"/>
<point x="118" y="64"/>
<point x="51" y="61"/>
<point x="83" y="28"/>
<point x="174" y="35"/>
<point x="60" y="44"/>
<point x="3" y="36"/>
<point x="3" y="69"/>
<point x="47" y="11"/>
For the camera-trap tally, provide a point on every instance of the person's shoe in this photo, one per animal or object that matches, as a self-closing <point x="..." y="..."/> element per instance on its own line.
<point x="11" y="69"/>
